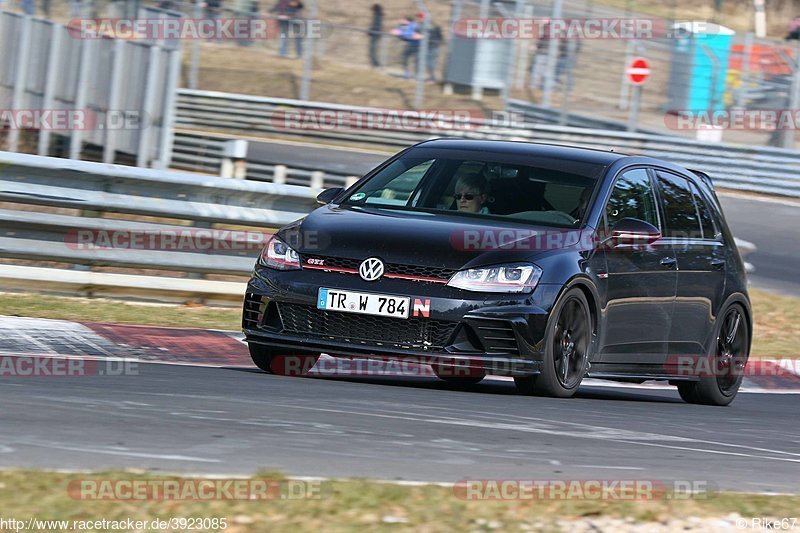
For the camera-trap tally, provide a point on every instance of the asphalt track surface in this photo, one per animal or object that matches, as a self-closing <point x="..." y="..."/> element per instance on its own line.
<point x="237" y="420"/>
<point x="772" y="225"/>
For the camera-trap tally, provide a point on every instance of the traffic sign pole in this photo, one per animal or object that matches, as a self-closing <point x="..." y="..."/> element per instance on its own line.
<point x="638" y="71"/>
<point x="633" y="115"/>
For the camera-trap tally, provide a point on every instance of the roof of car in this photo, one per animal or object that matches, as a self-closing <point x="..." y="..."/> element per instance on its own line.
<point x="586" y="155"/>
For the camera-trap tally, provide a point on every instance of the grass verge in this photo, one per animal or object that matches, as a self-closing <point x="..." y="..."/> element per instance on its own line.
<point x="777" y="318"/>
<point x="351" y="504"/>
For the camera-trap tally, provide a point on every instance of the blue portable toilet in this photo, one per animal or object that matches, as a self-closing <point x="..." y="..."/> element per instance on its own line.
<point x="698" y="66"/>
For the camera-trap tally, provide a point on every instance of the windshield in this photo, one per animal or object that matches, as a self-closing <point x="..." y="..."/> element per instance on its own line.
<point x="478" y="187"/>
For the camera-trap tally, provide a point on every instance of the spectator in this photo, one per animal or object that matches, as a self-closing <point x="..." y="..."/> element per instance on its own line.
<point x="794" y="29"/>
<point x="213" y="8"/>
<point x="45" y="8"/>
<point x="539" y="62"/>
<point x="375" y="34"/>
<point x="28" y="7"/>
<point x="567" y="57"/>
<point x="288" y="12"/>
<point x="252" y="14"/>
<point x="74" y="8"/>
<point x="408" y="32"/>
<point x="435" y="40"/>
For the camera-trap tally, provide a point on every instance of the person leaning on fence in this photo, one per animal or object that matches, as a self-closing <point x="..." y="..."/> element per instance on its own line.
<point x="435" y="40"/>
<point x="288" y="13"/>
<point x="794" y="29"/>
<point x="375" y="34"/>
<point x="408" y="32"/>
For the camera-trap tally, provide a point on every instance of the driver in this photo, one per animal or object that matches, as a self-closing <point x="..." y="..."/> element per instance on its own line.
<point x="471" y="193"/>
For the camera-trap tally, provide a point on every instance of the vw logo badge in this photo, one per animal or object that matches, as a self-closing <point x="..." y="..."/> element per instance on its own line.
<point x="371" y="269"/>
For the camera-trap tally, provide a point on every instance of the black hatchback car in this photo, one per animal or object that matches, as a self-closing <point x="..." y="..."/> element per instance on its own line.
<point x="545" y="263"/>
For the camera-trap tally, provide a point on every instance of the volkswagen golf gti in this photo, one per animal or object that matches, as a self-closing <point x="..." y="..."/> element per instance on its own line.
<point x="545" y="263"/>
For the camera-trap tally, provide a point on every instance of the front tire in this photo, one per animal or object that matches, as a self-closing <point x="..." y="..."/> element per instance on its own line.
<point x="456" y="375"/>
<point x="261" y="356"/>
<point x="727" y="362"/>
<point x="281" y="362"/>
<point x="569" y="342"/>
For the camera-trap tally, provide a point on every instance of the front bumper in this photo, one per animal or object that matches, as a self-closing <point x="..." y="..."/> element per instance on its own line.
<point x="500" y="334"/>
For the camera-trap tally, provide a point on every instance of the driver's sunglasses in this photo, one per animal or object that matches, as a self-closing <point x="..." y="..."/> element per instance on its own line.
<point x="468" y="196"/>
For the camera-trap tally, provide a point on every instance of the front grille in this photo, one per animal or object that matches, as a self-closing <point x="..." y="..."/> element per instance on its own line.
<point x="411" y="333"/>
<point x="391" y="268"/>
<point x="421" y="271"/>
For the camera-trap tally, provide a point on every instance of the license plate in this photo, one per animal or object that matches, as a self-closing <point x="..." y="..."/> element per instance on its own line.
<point x="363" y="303"/>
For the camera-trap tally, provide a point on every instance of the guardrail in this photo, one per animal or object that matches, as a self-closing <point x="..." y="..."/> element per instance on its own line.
<point x="203" y="152"/>
<point x="186" y="207"/>
<point x="757" y="169"/>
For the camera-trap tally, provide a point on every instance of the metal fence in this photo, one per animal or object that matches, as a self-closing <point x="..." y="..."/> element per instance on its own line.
<point x="122" y="93"/>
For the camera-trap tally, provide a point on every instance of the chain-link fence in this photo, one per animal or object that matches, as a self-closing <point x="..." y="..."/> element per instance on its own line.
<point x="415" y="57"/>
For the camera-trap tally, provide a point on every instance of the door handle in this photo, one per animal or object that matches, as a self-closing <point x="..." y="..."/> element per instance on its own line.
<point x="717" y="264"/>
<point x="669" y="262"/>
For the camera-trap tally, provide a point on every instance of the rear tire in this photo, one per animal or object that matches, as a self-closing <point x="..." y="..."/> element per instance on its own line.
<point x="727" y="361"/>
<point x="569" y="342"/>
<point x="281" y="362"/>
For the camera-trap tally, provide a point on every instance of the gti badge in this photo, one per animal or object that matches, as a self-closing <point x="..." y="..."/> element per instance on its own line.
<point x="371" y="269"/>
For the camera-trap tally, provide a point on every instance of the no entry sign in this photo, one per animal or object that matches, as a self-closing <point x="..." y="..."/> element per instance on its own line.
<point x="638" y="71"/>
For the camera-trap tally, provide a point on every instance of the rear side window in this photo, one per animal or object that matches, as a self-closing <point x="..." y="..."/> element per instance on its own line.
<point x="680" y="211"/>
<point x="704" y="213"/>
<point x="632" y="197"/>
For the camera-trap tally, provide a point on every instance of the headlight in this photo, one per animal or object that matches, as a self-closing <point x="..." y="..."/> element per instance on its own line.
<point x="278" y="254"/>
<point x="502" y="278"/>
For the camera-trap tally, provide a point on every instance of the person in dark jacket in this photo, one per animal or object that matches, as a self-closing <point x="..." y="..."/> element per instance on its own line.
<point x="794" y="29"/>
<point x="375" y="34"/>
<point x="435" y="40"/>
<point x="289" y="13"/>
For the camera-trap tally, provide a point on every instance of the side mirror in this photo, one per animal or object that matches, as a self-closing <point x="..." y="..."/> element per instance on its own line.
<point x="633" y="231"/>
<point x="326" y="196"/>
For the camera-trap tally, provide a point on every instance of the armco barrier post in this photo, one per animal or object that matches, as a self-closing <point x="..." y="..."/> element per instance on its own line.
<point x="234" y="159"/>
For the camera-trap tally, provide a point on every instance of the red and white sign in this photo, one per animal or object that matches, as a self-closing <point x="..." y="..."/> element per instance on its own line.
<point x="638" y="71"/>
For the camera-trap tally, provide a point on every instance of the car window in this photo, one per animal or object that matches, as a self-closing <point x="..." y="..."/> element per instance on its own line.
<point x="480" y="187"/>
<point x="704" y="213"/>
<point x="397" y="189"/>
<point x="680" y="210"/>
<point x="632" y="197"/>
